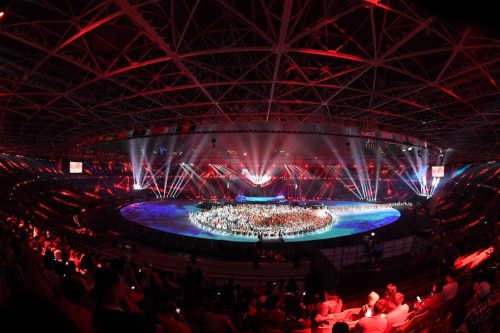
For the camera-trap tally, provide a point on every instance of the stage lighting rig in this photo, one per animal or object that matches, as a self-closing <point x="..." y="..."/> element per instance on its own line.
<point x="4" y="7"/>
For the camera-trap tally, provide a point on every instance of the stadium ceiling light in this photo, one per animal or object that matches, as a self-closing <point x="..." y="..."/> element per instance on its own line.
<point x="4" y="6"/>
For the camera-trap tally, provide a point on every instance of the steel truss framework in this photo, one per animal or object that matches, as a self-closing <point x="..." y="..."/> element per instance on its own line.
<point x="71" y="70"/>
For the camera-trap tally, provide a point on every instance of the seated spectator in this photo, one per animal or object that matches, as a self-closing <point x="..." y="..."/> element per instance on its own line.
<point x="388" y="296"/>
<point x="398" y="315"/>
<point x="32" y="312"/>
<point x="455" y="319"/>
<point x="110" y="314"/>
<point x="133" y="289"/>
<point x="35" y="274"/>
<point x="250" y="321"/>
<point x="11" y="277"/>
<point x="340" y="327"/>
<point x="330" y="305"/>
<point x="377" y="323"/>
<point x="216" y="320"/>
<point x="295" y="315"/>
<point x="451" y="286"/>
<point x="73" y="303"/>
<point x="480" y="311"/>
<point x="434" y="300"/>
<point x="367" y="309"/>
<point x="171" y="320"/>
<point x="494" y="298"/>
<point x="272" y="314"/>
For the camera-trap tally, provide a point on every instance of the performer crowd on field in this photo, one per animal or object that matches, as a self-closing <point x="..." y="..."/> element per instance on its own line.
<point x="271" y="221"/>
<point x="258" y="220"/>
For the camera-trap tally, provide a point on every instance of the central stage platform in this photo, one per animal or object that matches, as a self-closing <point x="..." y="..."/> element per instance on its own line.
<point x="261" y="200"/>
<point x="172" y="216"/>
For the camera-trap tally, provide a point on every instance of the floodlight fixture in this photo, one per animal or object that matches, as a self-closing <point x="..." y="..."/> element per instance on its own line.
<point x="4" y="6"/>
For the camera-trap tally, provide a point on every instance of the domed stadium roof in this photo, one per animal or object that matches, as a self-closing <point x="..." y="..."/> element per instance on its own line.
<point x="74" y="73"/>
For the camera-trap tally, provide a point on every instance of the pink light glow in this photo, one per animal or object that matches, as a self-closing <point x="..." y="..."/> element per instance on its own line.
<point x="256" y="180"/>
<point x="472" y="260"/>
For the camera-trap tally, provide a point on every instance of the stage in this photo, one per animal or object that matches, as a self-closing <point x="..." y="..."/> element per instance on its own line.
<point x="172" y="216"/>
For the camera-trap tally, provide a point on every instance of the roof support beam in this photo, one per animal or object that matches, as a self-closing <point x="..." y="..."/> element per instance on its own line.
<point x="136" y="17"/>
<point x="280" y="49"/>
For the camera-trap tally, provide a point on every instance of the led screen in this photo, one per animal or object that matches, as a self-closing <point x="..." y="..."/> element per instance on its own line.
<point x="437" y="171"/>
<point x="75" y="167"/>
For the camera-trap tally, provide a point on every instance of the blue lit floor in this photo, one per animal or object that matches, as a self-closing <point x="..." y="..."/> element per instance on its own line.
<point x="172" y="216"/>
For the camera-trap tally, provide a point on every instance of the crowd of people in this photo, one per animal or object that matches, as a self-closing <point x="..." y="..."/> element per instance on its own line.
<point x="266" y="221"/>
<point x="50" y="283"/>
<point x="272" y="220"/>
<point x="72" y="289"/>
<point x="367" y="207"/>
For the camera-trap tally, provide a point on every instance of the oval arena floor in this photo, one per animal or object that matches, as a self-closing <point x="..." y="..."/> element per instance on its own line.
<point x="172" y="216"/>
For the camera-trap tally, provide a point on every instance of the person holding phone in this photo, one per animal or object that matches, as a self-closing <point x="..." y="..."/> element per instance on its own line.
<point x="170" y="317"/>
<point x="434" y="300"/>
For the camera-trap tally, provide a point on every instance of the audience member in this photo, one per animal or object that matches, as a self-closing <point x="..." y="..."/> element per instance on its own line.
<point x="32" y="312"/>
<point x="388" y="296"/>
<point x="434" y="300"/>
<point x="377" y="323"/>
<point x="47" y="255"/>
<point x="216" y="320"/>
<point x="480" y="310"/>
<point x="170" y="319"/>
<point x="73" y="303"/>
<point x="340" y="327"/>
<point x="34" y="273"/>
<point x="451" y="286"/>
<point x="455" y="318"/>
<point x="295" y="314"/>
<point x="330" y="305"/>
<point x="110" y="315"/>
<point x="398" y="315"/>
<point x="367" y="309"/>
